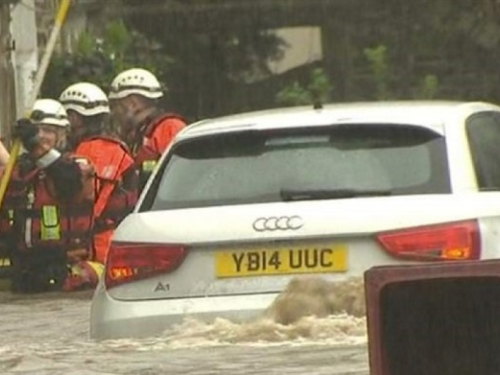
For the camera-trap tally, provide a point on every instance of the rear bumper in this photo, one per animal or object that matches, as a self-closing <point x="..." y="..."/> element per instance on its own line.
<point x="114" y="319"/>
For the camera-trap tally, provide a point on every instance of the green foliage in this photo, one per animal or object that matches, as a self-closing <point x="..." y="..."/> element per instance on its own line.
<point x="380" y="67"/>
<point x="432" y="48"/>
<point x="221" y="57"/>
<point x="293" y="94"/>
<point x="98" y="59"/>
<point x="320" y="86"/>
<point x="245" y="56"/>
<point x="377" y="58"/>
<point x="318" y="90"/>
<point x="86" y="44"/>
<point x="429" y="87"/>
<point x="118" y="39"/>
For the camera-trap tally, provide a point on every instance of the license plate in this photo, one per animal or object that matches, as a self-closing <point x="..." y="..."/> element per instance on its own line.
<point x="321" y="258"/>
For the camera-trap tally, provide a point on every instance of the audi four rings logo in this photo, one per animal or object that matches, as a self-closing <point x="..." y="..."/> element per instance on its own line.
<point x="274" y="223"/>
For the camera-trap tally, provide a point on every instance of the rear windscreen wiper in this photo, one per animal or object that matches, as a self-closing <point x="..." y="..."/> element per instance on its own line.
<point x="288" y="195"/>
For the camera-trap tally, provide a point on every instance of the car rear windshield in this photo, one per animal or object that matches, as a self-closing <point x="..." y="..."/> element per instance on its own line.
<point x="258" y="166"/>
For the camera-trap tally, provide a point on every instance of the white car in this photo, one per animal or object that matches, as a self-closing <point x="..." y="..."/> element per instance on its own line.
<point x="240" y="205"/>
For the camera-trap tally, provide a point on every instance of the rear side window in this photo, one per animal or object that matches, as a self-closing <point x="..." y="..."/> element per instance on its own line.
<point x="255" y="167"/>
<point x="483" y="131"/>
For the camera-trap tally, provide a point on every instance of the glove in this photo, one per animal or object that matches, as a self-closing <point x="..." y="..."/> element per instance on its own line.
<point x="27" y="132"/>
<point x="83" y="275"/>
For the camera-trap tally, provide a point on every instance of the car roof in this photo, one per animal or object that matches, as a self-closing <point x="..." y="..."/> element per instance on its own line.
<point x="431" y="114"/>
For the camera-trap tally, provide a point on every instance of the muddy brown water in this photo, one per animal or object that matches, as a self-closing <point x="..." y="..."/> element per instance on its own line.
<point x="313" y="327"/>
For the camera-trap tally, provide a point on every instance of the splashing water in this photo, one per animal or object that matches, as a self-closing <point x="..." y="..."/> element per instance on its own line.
<point x="310" y="310"/>
<point x="312" y="327"/>
<point x="315" y="296"/>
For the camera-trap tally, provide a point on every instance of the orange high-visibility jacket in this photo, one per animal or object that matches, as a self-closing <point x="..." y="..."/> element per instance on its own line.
<point x="116" y="187"/>
<point x="152" y="140"/>
<point x="112" y="160"/>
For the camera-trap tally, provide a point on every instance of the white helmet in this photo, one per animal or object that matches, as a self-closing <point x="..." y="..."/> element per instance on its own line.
<point x="135" y="81"/>
<point x="85" y="98"/>
<point x="49" y="112"/>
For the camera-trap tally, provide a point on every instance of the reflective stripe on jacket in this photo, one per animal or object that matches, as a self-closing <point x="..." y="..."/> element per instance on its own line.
<point x="38" y="219"/>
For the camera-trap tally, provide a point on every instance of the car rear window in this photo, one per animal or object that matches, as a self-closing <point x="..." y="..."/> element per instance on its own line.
<point x="256" y="166"/>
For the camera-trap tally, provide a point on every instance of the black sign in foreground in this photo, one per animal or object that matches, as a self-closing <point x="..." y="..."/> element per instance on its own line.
<point x="434" y="319"/>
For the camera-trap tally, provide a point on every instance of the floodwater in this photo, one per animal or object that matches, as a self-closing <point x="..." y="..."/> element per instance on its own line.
<point x="313" y="327"/>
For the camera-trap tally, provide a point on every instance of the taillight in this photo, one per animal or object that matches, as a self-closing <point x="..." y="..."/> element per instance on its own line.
<point x="451" y="241"/>
<point x="134" y="261"/>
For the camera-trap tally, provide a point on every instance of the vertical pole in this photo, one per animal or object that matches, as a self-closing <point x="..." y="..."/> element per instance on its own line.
<point x="16" y="147"/>
<point x="54" y="35"/>
<point x="7" y="80"/>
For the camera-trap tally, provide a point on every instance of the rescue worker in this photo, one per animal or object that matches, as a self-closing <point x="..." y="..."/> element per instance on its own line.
<point x="147" y="129"/>
<point x="47" y="215"/>
<point x="88" y="111"/>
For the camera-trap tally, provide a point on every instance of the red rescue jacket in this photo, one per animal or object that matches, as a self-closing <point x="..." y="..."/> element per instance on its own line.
<point x="152" y="140"/>
<point x="34" y="218"/>
<point x="112" y="160"/>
